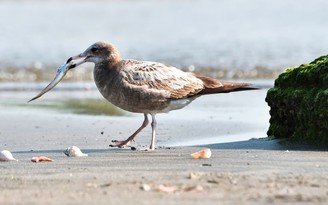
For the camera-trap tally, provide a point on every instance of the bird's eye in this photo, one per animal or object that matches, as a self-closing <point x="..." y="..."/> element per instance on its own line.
<point x="94" y="49"/>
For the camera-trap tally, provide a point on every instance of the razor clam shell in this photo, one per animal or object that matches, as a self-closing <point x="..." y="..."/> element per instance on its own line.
<point x="61" y="72"/>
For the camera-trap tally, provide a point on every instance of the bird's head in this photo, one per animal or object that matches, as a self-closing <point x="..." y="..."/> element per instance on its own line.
<point x="98" y="53"/>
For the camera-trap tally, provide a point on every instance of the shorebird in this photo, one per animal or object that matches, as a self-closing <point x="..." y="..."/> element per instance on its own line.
<point x="142" y="86"/>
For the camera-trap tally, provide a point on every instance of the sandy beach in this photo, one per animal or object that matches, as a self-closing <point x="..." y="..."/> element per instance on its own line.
<point x="231" y="176"/>
<point x="245" y="170"/>
<point x="234" y="40"/>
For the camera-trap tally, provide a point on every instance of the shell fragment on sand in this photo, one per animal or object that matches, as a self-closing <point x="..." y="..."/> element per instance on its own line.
<point x="74" y="151"/>
<point x="145" y="187"/>
<point x="5" y="155"/>
<point x="166" y="188"/>
<point x="41" y="159"/>
<point x="61" y="72"/>
<point x="197" y="188"/>
<point x="203" y="154"/>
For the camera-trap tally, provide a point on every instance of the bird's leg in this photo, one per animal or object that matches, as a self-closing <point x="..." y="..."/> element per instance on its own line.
<point x="127" y="141"/>
<point x="153" y="132"/>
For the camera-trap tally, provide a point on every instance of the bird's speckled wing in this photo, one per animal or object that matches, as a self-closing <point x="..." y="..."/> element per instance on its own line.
<point x="159" y="77"/>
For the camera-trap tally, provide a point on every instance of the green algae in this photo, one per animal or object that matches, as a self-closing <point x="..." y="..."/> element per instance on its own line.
<point x="75" y="106"/>
<point x="92" y="107"/>
<point x="299" y="104"/>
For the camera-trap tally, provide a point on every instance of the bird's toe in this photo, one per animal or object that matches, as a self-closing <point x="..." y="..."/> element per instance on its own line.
<point x="119" y="144"/>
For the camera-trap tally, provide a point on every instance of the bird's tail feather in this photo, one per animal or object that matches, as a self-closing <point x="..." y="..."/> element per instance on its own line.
<point x="227" y="87"/>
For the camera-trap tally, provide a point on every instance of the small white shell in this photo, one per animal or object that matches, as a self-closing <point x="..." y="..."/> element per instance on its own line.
<point x="74" y="151"/>
<point x="5" y="155"/>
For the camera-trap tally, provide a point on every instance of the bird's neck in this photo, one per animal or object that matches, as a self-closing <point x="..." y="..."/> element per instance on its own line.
<point x="109" y="64"/>
<point x="104" y="79"/>
<point x="103" y="73"/>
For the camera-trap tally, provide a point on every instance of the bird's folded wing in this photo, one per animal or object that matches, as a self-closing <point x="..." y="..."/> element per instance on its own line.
<point x="159" y="77"/>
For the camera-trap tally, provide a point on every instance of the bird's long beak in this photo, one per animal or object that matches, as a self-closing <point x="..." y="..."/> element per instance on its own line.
<point x="61" y="72"/>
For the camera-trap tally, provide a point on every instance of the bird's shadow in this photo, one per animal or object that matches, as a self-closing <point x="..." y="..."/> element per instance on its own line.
<point x="252" y="144"/>
<point x="264" y="144"/>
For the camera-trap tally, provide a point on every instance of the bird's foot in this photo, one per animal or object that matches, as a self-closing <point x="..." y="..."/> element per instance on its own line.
<point x="151" y="148"/>
<point x="120" y="144"/>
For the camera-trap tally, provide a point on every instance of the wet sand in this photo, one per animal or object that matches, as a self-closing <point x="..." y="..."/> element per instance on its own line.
<point x="247" y="171"/>
<point x="208" y="119"/>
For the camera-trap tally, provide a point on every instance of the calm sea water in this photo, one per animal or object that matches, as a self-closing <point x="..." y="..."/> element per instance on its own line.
<point x="229" y="34"/>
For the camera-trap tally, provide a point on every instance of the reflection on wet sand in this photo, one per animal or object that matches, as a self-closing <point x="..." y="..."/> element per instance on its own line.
<point x="76" y="106"/>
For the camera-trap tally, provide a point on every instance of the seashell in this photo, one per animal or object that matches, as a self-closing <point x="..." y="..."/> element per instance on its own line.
<point x="5" y="155"/>
<point x="74" y="151"/>
<point x="166" y="188"/>
<point x="145" y="187"/>
<point x="41" y="159"/>
<point x="61" y="72"/>
<point x="203" y="154"/>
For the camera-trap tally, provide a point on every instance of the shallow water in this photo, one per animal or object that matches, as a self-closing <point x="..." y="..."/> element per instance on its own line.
<point x="225" y="34"/>
<point x="77" y="98"/>
<point x="75" y="106"/>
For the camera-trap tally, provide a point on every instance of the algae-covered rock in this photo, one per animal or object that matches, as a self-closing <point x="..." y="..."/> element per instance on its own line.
<point x="299" y="104"/>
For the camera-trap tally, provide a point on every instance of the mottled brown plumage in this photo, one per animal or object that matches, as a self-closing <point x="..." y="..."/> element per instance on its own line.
<point x="147" y="87"/>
